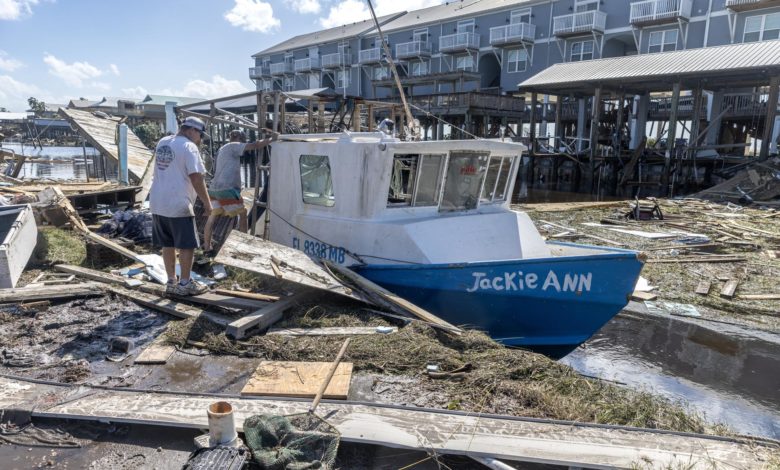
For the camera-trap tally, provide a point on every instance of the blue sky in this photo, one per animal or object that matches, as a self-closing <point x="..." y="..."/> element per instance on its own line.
<point x="58" y="50"/>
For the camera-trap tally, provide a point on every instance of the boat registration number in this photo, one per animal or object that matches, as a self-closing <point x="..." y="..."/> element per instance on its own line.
<point x="322" y="250"/>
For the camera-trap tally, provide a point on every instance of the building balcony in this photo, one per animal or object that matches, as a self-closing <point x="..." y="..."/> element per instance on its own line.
<point x="516" y="33"/>
<point x="458" y="42"/>
<point x="370" y="56"/>
<point x="745" y="5"/>
<point x="579" y="23"/>
<point x="282" y="68"/>
<point x="310" y="64"/>
<point x="259" y="72"/>
<point x="653" y="12"/>
<point x="337" y="60"/>
<point x="412" y="49"/>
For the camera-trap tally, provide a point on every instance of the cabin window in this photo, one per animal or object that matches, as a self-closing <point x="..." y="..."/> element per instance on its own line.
<point x="316" y="181"/>
<point x="465" y="173"/>
<point x="416" y="180"/>
<point x="496" y="179"/>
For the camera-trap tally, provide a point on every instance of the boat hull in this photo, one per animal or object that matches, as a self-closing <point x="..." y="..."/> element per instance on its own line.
<point x="550" y="305"/>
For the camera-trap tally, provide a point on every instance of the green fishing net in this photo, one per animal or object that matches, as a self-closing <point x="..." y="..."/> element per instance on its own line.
<point x="293" y="442"/>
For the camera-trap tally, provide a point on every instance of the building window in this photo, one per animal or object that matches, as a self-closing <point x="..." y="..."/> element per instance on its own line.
<point x="662" y="41"/>
<point x="466" y="26"/>
<point x="289" y="83"/>
<point x="418" y="68"/>
<point x="516" y="60"/>
<point x="464" y="62"/>
<point x="380" y="72"/>
<point x="585" y="5"/>
<point x="762" y="27"/>
<point x="267" y="85"/>
<point x="520" y="16"/>
<point x="316" y="181"/>
<point x="314" y="81"/>
<point x="582" y="51"/>
<point x="342" y="78"/>
<point x="420" y="35"/>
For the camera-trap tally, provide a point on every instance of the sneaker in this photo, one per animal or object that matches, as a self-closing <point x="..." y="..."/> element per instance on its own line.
<point x="191" y="288"/>
<point x="170" y="287"/>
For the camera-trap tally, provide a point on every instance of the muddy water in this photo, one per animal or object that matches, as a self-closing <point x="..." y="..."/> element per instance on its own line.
<point x="730" y="377"/>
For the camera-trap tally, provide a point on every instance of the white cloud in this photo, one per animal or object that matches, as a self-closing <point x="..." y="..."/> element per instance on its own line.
<point x="218" y="86"/>
<point x="304" y="6"/>
<point x="73" y="74"/>
<point x="7" y="63"/>
<point x="14" y="94"/>
<point x="102" y="86"/>
<point x="135" y="92"/>
<point x="114" y="69"/>
<point x="16" y="9"/>
<point x="350" y="11"/>
<point x="253" y="15"/>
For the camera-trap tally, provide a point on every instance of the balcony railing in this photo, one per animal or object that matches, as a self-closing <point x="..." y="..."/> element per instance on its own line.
<point x="458" y="42"/>
<point x="337" y="60"/>
<point x="413" y="49"/>
<point x="515" y="33"/>
<point x="660" y="11"/>
<point x="467" y="100"/>
<point x="259" y="72"/>
<point x="744" y="5"/>
<point x="578" y="23"/>
<point x="307" y="65"/>
<point x="281" y="68"/>
<point x="370" y="56"/>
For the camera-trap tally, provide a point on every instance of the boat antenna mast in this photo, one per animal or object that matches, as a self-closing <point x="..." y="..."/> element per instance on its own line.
<point x="414" y="129"/>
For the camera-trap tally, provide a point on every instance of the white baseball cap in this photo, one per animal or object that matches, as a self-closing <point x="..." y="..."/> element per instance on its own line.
<point x="196" y="123"/>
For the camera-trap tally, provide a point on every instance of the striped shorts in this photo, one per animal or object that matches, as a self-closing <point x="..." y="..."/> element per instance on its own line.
<point x="227" y="202"/>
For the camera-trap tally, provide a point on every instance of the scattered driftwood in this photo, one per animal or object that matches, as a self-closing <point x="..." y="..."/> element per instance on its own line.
<point x="729" y="289"/>
<point x="265" y="317"/>
<point x="62" y="291"/>
<point x="247" y="295"/>
<point x="758" y="296"/>
<point x="700" y="259"/>
<point x="583" y="234"/>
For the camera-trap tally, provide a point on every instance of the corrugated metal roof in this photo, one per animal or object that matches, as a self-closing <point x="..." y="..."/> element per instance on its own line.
<point x="449" y="11"/>
<point x="326" y="35"/>
<point x="687" y="63"/>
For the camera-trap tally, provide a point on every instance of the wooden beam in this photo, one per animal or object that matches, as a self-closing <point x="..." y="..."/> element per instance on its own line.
<point x="171" y="307"/>
<point x="247" y="295"/>
<point x="392" y="301"/>
<point x="771" y="112"/>
<point x="594" y="136"/>
<point x="63" y="291"/>
<point x="670" y="140"/>
<point x="264" y="317"/>
<point x="441" y="431"/>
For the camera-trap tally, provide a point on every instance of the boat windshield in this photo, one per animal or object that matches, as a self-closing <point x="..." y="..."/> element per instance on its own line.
<point x="316" y="181"/>
<point x="463" y="182"/>
<point x="416" y="180"/>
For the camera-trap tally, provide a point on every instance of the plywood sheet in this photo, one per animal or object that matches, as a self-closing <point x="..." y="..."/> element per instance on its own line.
<point x="298" y="379"/>
<point x="155" y="354"/>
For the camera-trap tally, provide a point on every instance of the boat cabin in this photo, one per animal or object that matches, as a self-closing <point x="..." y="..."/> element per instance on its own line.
<point x="367" y="198"/>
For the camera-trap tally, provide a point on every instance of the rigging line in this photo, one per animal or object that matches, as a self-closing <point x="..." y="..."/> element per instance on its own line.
<point x="357" y="256"/>
<point x="428" y="113"/>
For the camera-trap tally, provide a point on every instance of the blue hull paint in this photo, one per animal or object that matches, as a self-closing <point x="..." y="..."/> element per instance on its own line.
<point x="550" y="313"/>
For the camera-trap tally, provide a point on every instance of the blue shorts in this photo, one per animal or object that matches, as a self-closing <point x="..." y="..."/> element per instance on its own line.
<point x="174" y="232"/>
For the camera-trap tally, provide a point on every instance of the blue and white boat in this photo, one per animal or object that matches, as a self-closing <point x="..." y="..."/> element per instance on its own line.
<point x="431" y="222"/>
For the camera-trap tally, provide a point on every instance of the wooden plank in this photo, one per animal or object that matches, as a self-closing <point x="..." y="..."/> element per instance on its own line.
<point x="264" y="317"/>
<point x="168" y="306"/>
<point x="392" y="301"/>
<point x="729" y="288"/>
<point x="640" y="296"/>
<point x="698" y="259"/>
<point x="298" y="379"/>
<point x="759" y="296"/>
<point x="210" y="298"/>
<point x="66" y="291"/>
<point x="442" y="431"/>
<point x="247" y="295"/>
<point x="277" y="262"/>
<point x="333" y="331"/>
<point x="155" y="354"/>
<point x="703" y="288"/>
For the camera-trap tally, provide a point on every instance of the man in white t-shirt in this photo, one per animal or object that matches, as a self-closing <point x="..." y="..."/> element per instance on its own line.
<point x="178" y="180"/>
<point x="225" y="186"/>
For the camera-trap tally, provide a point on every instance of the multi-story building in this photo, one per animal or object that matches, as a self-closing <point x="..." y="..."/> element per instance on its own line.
<point x="492" y="45"/>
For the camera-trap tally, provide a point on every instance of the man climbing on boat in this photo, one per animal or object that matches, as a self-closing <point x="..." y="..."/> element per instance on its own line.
<point x="178" y="180"/>
<point x="225" y="188"/>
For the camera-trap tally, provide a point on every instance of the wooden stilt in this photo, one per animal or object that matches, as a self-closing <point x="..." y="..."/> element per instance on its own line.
<point x="670" y="140"/>
<point x="769" y="122"/>
<point x="594" y="137"/>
